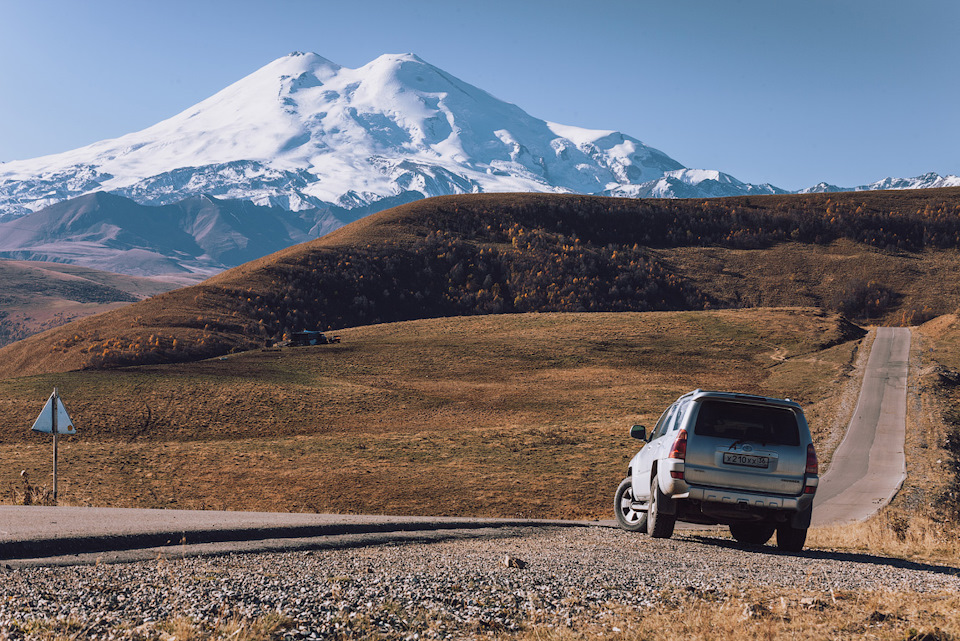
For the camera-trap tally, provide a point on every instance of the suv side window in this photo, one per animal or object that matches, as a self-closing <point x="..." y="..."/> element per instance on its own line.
<point x="678" y="416"/>
<point x="665" y="420"/>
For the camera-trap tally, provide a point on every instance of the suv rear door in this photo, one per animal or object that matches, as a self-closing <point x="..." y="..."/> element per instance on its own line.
<point x="746" y="446"/>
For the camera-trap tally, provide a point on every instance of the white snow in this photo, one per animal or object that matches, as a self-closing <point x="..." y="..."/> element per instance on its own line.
<point x="304" y="131"/>
<point x="578" y="135"/>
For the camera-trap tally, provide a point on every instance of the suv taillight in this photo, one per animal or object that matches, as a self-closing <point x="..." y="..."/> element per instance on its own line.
<point x="813" y="466"/>
<point x="679" y="449"/>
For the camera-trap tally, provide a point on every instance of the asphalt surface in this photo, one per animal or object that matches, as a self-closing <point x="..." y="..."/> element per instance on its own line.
<point x="38" y="535"/>
<point x="869" y="465"/>
<point x="865" y="473"/>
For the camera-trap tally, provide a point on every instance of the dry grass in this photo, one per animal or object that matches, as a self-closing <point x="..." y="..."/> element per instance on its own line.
<point x="518" y="415"/>
<point x="893" y="533"/>
<point x="176" y="628"/>
<point x="765" y="614"/>
<point x="29" y="494"/>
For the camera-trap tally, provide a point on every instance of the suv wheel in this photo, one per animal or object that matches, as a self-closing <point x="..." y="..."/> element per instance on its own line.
<point x="791" y="539"/>
<point x="627" y="518"/>
<point x="659" y="526"/>
<point x="752" y="533"/>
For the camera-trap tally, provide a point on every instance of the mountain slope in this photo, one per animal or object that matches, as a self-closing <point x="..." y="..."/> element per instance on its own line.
<point x="200" y="235"/>
<point x="870" y="255"/>
<point x="304" y="132"/>
<point x="692" y="183"/>
<point x="333" y="144"/>
<point x="37" y="296"/>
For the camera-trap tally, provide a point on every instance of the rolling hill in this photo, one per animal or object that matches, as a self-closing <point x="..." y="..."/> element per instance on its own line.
<point x="499" y="415"/>
<point x="35" y="296"/>
<point x="879" y="256"/>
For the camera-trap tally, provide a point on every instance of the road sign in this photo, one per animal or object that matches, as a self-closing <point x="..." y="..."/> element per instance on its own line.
<point x="55" y="420"/>
<point x="45" y="422"/>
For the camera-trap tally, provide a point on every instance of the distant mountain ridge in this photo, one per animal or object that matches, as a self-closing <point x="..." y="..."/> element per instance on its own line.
<point x="930" y="180"/>
<point x="36" y="296"/>
<point x="200" y="235"/>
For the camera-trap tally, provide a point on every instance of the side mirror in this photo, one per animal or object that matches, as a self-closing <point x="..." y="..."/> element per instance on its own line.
<point x="638" y="432"/>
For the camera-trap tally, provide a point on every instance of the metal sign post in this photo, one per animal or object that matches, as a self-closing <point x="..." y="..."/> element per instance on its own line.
<point x="53" y="426"/>
<point x="55" y="420"/>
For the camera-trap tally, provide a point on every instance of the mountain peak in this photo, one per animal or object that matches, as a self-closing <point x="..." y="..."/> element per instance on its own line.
<point x="408" y="72"/>
<point x="392" y="58"/>
<point x="308" y="58"/>
<point x="295" y="64"/>
<point x="303" y="132"/>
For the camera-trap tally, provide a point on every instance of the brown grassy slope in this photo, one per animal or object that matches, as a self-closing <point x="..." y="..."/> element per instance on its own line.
<point x="880" y="255"/>
<point x="934" y="467"/>
<point x="35" y="296"/>
<point x="500" y="415"/>
<point x="181" y="315"/>
<point x="923" y="284"/>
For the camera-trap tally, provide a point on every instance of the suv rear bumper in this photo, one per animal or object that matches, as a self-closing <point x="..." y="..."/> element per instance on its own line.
<point x="742" y="499"/>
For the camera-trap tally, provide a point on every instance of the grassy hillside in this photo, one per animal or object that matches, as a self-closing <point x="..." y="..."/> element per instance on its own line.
<point x="500" y="415"/>
<point x="933" y="445"/>
<point x="866" y="284"/>
<point x="888" y="257"/>
<point x="35" y="296"/>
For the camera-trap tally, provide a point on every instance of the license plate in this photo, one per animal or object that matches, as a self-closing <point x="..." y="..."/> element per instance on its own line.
<point x="748" y="460"/>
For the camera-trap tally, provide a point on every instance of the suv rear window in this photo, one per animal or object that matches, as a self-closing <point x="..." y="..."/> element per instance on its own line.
<point x="740" y="421"/>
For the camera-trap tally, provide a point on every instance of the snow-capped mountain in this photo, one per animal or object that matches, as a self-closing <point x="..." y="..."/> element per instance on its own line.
<point x="304" y="132"/>
<point x="692" y="183"/>
<point x="930" y="180"/>
<point x="304" y="145"/>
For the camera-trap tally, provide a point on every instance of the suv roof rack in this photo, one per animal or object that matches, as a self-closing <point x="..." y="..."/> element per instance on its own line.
<point x="741" y="396"/>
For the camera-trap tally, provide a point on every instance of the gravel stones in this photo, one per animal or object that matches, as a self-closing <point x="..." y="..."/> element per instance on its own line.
<point x="437" y="590"/>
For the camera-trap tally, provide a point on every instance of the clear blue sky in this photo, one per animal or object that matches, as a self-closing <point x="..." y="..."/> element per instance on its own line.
<point x="779" y="91"/>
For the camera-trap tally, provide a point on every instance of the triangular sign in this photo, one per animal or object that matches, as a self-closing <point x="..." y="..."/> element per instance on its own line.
<point x="44" y="422"/>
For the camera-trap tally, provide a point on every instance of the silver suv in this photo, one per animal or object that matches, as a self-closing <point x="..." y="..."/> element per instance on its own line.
<point x="723" y="458"/>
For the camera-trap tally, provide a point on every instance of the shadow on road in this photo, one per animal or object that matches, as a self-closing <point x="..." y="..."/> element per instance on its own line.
<point x="849" y="557"/>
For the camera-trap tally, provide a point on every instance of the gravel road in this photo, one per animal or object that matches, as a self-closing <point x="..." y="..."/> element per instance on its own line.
<point x="436" y="590"/>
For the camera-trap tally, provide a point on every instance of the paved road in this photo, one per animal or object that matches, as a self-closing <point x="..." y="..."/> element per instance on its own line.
<point x="869" y="466"/>
<point x="64" y="535"/>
